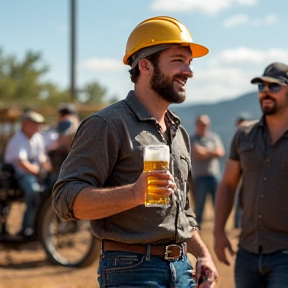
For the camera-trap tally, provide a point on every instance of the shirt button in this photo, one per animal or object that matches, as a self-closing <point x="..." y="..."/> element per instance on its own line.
<point x="261" y="196"/>
<point x="264" y="178"/>
<point x="267" y="160"/>
<point x="259" y="216"/>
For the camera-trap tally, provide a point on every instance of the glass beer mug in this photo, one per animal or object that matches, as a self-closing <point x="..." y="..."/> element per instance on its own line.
<point x="156" y="157"/>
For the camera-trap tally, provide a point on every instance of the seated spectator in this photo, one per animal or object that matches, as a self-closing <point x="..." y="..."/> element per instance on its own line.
<point x="26" y="152"/>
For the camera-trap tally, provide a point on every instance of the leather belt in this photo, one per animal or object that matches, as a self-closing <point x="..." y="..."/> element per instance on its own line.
<point x="169" y="252"/>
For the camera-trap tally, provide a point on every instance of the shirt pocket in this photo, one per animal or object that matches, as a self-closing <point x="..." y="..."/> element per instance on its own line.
<point x="247" y="155"/>
<point x="284" y="161"/>
<point x="185" y="164"/>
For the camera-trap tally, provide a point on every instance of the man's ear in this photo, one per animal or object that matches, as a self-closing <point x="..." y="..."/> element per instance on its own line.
<point x="144" y="65"/>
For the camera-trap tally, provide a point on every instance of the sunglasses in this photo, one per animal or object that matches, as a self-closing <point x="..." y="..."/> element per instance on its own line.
<point x="272" y="87"/>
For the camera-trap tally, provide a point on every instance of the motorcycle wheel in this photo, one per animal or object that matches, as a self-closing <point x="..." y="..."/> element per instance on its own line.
<point x="67" y="243"/>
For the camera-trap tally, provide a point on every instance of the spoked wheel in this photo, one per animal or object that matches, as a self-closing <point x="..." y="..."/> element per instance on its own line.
<point x="67" y="243"/>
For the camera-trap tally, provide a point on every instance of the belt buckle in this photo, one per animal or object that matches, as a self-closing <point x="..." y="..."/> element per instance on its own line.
<point x="172" y="252"/>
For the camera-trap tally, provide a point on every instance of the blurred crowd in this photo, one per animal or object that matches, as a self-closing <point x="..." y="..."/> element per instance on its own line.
<point x="36" y="152"/>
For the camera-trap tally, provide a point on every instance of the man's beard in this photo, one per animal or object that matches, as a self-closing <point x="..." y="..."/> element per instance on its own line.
<point x="164" y="87"/>
<point x="271" y="109"/>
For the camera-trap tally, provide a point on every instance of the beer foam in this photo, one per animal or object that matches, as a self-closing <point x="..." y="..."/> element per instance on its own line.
<point x="156" y="153"/>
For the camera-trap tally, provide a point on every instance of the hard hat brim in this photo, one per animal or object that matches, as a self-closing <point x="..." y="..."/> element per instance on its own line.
<point x="197" y="51"/>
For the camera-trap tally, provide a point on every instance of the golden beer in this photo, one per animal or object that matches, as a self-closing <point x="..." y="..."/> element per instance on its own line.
<point x="156" y="157"/>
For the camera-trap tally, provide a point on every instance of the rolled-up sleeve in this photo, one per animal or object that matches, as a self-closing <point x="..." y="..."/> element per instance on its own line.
<point x="88" y="164"/>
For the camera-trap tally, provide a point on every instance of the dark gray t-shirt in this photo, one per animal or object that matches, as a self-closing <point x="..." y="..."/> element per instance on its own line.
<point x="108" y="152"/>
<point x="206" y="167"/>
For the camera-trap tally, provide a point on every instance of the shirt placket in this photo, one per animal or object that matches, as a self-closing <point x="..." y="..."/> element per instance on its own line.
<point x="263" y="189"/>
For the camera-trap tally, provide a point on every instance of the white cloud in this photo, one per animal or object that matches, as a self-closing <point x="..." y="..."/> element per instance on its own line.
<point x="271" y="18"/>
<point x="205" y="6"/>
<point x="216" y="84"/>
<point x="244" y="55"/>
<point x="244" y="19"/>
<point x="229" y="73"/>
<point x="268" y="20"/>
<point x="235" y="20"/>
<point x="63" y="29"/>
<point x="102" y="64"/>
<point x="247" y="2"/>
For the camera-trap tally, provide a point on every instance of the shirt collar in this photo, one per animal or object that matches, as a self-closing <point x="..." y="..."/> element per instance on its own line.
<point x="262" y="122"/>
<point x="263" y="125"/>
<point x="143" y="115"/>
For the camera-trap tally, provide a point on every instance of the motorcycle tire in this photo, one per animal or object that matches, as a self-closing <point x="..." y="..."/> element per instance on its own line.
<point x="67" y="243"/>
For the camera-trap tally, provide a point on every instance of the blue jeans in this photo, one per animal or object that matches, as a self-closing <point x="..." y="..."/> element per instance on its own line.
<point x="261" y="270"/>
<point x="29" y="184"/>
<point x="203" y="186"/>
<point x="125" y="269"/>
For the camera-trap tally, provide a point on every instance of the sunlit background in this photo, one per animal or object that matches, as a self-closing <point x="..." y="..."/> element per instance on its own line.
<point x="243" y="36"/>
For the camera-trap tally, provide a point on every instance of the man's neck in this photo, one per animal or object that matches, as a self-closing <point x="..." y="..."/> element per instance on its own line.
<point x="277" y="125"/>
<point x="154" y="104"/>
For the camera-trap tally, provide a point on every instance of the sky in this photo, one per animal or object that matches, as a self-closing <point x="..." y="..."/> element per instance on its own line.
<point x="243" y="37"/>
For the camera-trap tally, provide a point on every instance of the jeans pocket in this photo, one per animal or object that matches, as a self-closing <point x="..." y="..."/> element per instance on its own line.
<point x="133" y="270"/>
<point x="182" y="274"/>
<point x="126" y="261"/>
<point x="118" y="269"/>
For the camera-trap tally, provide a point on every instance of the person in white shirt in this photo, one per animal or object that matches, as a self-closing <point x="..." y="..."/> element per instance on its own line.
<point x="26" y="152"/>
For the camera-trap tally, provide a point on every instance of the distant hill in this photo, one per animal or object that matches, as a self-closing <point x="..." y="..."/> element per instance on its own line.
<point x="223" y="115"/>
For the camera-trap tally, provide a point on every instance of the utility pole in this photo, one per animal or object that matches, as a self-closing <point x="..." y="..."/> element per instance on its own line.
<point x="72" y="49"/>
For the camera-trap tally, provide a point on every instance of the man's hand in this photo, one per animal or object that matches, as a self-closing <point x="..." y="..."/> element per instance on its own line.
<point x="163" y="179"/>
<point x="206" y="272"/>
<point x="221" y="244"/>
<point x="46" y="166"/>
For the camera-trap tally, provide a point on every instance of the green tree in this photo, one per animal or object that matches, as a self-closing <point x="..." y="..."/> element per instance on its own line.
<point x="93" y="93"/>
<point x="22" y="81"/>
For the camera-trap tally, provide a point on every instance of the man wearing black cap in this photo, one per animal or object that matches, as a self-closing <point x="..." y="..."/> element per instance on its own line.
<point x="259" y="154"/>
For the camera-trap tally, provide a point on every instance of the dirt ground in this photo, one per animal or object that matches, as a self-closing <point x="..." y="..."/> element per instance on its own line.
<point x="27" y="267"/>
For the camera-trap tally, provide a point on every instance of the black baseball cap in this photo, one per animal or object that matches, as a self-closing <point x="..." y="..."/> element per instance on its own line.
<point x="67" y="109"/>
<point x="276" y="72"/>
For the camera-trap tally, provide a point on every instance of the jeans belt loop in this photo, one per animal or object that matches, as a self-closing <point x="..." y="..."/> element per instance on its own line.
<point x="148" y="253"/>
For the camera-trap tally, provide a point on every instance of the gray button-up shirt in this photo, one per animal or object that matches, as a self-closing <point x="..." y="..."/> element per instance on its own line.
<point x="108" y="151"/>
<point x="264" y="196"/>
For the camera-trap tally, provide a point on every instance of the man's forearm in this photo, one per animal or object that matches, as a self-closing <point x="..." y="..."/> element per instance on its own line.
<point x="223" y="208"/>
<point x="92" y="202"/>
<point x="30" y="167"/>
<point x="196" y="246"/>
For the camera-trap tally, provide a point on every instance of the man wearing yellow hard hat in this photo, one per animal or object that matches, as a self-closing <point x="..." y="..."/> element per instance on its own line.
<point x="103" y="180"/>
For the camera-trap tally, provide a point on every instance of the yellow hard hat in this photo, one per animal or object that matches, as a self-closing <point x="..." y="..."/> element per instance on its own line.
<point x="161" y="30"/>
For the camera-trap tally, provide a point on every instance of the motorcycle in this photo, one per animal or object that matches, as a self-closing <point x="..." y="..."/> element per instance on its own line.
<point x="66" y="243"/>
